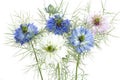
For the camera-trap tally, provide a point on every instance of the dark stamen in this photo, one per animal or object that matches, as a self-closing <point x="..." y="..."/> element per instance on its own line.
<point x="24" y="29"/>
<point x="50" y="48"/>
<point x="58" y="22"/>
<point x="81" y="38"/>
<point x="96" y="21"/>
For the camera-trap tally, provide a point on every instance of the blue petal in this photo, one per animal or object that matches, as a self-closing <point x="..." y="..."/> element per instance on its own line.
<point x="52" y="27"/>
<point x="21" y="37"/>
<point x="88" y="42"/>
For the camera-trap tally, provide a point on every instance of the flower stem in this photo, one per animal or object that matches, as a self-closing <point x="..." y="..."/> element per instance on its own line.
<point x="58" y="67"/>
<point x="36" y="58"/>
<point x="77" y="65"/>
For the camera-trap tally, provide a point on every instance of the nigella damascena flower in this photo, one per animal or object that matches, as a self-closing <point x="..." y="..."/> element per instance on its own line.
<point x="52" y="48"/>
<point x="58" y="25"/>
<point x="98" y="23"/>
<point x="25" y="33"/>
<point x="82" y="39"/>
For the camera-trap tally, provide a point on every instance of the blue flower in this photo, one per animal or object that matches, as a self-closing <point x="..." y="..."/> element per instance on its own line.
<point x="82" y="39"/>
<point x="25" y="33"/>
<point x="57" y="25"/>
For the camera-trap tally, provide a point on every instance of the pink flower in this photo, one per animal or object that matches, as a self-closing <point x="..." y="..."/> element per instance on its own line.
<point x="98" y="23"/>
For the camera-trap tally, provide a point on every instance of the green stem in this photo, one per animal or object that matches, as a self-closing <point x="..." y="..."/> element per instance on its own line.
<point x="77" y="65"/>
<point x="58" y="67"/>
<point x="65" y="75"/>
<point x="36" y="58"/>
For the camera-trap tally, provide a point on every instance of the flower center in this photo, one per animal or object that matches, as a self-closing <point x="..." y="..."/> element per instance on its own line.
<point x="50" y="48"/>
<point x="96" y="21"/>
<point x="24" y="29"/>
<point x="81" y="38"/>
<point x="58" y="22"/>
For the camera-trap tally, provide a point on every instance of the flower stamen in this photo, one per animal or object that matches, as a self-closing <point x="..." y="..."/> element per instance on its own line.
<point x="24" y="29"/>
<point x="58" y="22"/>
<point x="50" y="48"/>
<point x="81" y="38"/>
<point x="96" y="21"/>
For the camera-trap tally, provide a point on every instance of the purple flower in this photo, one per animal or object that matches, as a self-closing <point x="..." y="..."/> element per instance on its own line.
<point x="58" y="25"/>
<point x="98" y="23"/>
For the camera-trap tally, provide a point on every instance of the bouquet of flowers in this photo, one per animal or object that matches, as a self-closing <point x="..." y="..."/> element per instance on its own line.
<point x="58" y="41"/>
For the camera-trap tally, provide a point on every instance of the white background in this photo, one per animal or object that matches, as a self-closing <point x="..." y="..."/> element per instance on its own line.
<point x="103" y="64"/>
